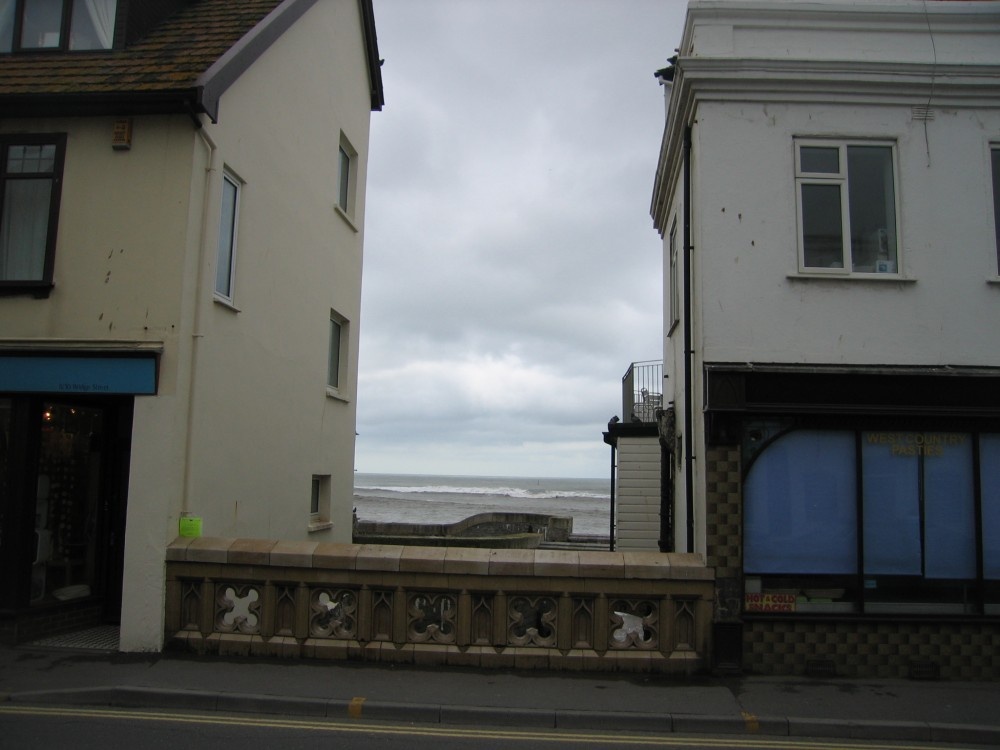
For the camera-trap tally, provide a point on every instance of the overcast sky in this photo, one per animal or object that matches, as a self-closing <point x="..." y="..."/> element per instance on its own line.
<point x="512" y="271"/>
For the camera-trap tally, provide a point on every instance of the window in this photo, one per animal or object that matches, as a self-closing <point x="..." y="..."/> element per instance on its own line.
<point x="319" y="503"/>
<point x="846" y="208"/>
<point x="6" y="25"/>
<point x="347" y="175"/>
<point x="878" y="521"/>
<point x="675" y="283"/>
<point x="995" y="158"/>
<point x="225" y="268"/>
<point x="807" y="523"/>
<point x="345" y="181"/>
<point x="336" y="372"/>
<point x="57" y="24"/>
<point x="30" y="181"/>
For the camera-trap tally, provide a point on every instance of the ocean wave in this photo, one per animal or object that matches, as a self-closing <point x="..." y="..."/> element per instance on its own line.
<point x="512" y="492"/>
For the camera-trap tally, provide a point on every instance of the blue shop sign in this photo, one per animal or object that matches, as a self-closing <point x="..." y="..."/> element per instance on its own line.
<point x="93" y="375"/>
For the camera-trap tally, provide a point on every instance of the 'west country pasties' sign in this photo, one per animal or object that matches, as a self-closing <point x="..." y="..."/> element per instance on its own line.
<point x="769" y="603"/>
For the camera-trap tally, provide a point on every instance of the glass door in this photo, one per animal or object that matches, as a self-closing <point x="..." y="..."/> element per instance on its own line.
<point x="70" y="510"/>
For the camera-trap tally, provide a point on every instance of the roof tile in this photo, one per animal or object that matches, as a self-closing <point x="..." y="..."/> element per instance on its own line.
<point x="171" y="57"/>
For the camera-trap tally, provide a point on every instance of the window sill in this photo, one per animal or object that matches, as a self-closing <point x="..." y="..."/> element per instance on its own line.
<point x="993" y="280"/>
<point x="226" y="303"/>
<point x="336" y="395"/>
<point x="345" y="216"/>
<point x="881" y="278"/>
<point x="36" y="289"/>
<point x="315" y="526"/>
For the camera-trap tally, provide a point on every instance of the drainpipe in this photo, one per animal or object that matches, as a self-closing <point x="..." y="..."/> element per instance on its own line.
<point x="196" y="333"/>
<point x="688" y="349"/>
<point x="611" y="535"/>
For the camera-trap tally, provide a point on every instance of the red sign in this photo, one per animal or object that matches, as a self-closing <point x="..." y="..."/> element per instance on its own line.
<point x="769" y="602"/>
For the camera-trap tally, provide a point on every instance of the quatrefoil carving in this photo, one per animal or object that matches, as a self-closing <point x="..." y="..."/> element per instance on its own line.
<point x="238" y="611"/>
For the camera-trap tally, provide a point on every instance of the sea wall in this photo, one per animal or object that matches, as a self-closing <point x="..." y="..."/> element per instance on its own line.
<point x="508" y="530"/>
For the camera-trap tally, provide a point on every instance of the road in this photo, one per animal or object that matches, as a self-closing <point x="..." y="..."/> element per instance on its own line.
<point x="33" y="727"/>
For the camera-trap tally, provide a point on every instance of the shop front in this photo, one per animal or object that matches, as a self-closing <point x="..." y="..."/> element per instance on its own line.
<point x="65" y="443"/>
<point x="869" y="518"/>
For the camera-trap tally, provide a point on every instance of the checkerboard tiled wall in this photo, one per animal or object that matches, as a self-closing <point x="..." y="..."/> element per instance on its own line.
<point x="954" y="651"/>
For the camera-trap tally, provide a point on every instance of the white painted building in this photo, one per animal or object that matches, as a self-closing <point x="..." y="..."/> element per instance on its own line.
<point x="183" y="196"/>
<point x="827" y="193"/>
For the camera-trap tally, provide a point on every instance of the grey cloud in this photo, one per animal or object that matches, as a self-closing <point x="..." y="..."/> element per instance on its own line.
<point x="511" y="268"/>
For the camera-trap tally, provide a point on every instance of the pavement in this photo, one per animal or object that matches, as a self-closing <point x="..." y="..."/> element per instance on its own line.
<point x="967" y="713"/>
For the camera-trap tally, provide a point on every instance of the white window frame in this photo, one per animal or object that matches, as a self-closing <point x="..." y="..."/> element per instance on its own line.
<point x="320" y="499"/>
<point x="841" y="179"/>
<point x="674" y="270"/>
<point x="345" y="200"/>
<point x="227" y="295"/>
<point x="995" y="194"/>
<point x="101" y="16"/>
<point x="337" y="387"/>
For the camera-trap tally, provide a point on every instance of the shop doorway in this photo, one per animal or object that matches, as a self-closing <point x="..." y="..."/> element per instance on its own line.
<point x="64" y="476"/>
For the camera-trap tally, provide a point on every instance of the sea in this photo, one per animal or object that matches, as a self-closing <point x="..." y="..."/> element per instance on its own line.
<point x="425" y="498"/>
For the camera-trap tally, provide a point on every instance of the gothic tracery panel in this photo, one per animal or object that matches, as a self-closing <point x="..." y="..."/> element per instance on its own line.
<point x="531" y="621"/>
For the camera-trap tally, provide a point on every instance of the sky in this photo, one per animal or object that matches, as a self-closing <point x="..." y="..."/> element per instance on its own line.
<point x="512" y="271"/>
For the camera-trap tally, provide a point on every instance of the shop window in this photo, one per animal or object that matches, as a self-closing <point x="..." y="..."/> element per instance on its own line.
<point x="846" y="198"/>
<point x="800" y="506"/>
<point x="919" y="521"/>
<point x="914" y="494"/>
<point x="989" y="478"/>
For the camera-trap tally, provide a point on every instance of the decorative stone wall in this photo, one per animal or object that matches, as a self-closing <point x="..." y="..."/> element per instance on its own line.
<point x="503" y="608"/>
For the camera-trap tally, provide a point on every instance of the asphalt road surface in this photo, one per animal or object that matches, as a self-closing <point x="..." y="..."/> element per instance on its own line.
<point x="30" y="727"/>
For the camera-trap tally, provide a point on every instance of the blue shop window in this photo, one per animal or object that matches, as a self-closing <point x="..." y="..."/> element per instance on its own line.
<point x="919" y="507"/>
<point x="989" y="473"/>
<point x="949" y="509"/>
<point x="891" y="509"/>
<point x="801" y="507"/>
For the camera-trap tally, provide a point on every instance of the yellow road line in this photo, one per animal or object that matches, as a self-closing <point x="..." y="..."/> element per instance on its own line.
<point x="354" y="708"/>
<point x="447" y="731"/>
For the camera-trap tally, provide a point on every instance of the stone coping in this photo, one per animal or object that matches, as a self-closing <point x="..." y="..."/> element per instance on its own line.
<point x="447" y="560"/>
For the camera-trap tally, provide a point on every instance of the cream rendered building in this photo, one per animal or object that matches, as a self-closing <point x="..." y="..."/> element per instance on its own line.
<point x="183" y="195"/>
<point x="827" y="193"/>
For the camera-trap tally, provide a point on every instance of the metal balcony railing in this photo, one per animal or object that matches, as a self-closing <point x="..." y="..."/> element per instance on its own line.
<point x="642" y="391"/>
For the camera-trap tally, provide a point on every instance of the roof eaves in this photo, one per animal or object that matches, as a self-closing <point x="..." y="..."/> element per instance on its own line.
<point x="214" y="82"/>
<point x="371" y="51"/>
<point x="115" y="103"/>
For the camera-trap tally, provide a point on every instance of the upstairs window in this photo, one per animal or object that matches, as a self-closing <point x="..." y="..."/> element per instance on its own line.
<point x="225" y="261"/>
<point x="995" y="158"/>
<point x="57" y="24"/>
<point x="675" y="282"/>
<point x="846" y="197"/>
<point x="344" y="187"/>
<point x="30" y="181"/>
<point x="336" y="369"/>
<point x="347" y="179"/>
